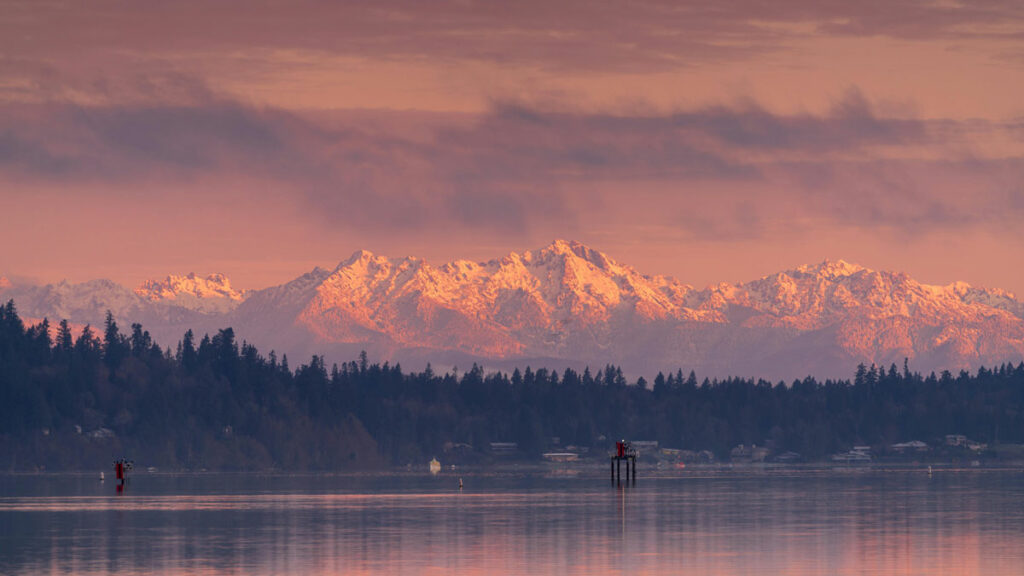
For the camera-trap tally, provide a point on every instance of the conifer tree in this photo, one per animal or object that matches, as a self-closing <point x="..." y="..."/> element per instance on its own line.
<point x="114" y="347"/>
<point x="65" y="342"/>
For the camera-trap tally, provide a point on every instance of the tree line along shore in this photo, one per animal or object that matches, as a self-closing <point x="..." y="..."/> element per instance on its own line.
<point x="76" y="403"/>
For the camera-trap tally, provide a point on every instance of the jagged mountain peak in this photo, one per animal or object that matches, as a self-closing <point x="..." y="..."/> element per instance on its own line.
<point x="173" y="287"/>
<point x="316" y="272"/>
<point x="958" y="287"/>
<point x="212" y="294"/>
<point x="364" y="259"/>
<point x="559" y="254"/>
<point x="567" y="247"/>
<point x="832" y="269"/>
<point x="360" y="255"/>
<point x="570" y="250"/>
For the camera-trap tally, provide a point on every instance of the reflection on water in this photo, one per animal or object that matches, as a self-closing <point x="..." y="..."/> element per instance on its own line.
<point x="769" y="522"/>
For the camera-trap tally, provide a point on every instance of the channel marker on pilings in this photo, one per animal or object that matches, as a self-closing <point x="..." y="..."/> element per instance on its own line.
<point x="624" y="452"/>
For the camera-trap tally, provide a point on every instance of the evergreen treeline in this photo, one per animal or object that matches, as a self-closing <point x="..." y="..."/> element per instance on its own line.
<point x="68" y="403"/>
<point x="78" y="403"/>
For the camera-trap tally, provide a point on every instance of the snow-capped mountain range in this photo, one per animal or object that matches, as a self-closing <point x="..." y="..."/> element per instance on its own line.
<point x="567" y="304"/>
<point x="212" y="294"/>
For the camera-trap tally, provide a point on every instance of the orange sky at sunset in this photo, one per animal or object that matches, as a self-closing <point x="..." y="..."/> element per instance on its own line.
<point x="709" y="141"/>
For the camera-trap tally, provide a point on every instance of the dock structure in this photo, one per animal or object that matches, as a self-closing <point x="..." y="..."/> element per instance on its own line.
<point x="624" y="452"/>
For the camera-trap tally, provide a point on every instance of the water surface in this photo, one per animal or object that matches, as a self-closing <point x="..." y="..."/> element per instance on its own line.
<point x="765" y="522"/>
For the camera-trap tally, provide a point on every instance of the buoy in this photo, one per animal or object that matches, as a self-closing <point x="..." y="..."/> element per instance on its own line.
<point x="460" y="483"/>
<point x="929" y="470"/>
<point x="101" y="477"/>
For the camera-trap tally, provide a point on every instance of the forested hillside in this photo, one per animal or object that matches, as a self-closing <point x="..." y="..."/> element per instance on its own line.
<point x="77" y="402"/>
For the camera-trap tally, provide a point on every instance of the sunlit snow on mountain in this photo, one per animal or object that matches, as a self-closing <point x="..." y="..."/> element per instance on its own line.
<point x="568" y="304"/>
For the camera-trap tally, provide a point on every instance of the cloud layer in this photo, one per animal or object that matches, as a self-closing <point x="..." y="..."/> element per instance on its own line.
<point x="316" y="128"/>
<point x="518" y="166"/>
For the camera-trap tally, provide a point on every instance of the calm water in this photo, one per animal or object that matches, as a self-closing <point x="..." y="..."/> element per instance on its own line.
<point x="752" y="522"/>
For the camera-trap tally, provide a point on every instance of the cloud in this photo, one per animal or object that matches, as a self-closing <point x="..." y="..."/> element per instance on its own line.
<point x="730" y="171"/>
<point x="25" y="156"/>
<point x="851" y="123"/>
<point x="915" y="19"/>
<point x="574" y="35"/>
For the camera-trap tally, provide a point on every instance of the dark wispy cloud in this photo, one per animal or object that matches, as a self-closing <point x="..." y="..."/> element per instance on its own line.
<point x="519" y="167"/>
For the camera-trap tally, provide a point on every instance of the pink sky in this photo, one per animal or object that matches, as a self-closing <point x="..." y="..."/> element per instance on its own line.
<point x="703" y="141"/>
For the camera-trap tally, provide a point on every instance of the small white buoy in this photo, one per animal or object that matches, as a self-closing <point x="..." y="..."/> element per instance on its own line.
<point x="929" y="470"/>
<point x="101" y="477"/>
<point x="460" y="483"/>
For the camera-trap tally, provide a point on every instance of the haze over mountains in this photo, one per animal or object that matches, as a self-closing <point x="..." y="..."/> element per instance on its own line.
<point x="567" y="304"/>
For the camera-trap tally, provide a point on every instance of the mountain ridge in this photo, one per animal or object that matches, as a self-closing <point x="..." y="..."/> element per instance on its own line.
<point x="212" y="294"/>
<point x="569" y="302"/>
